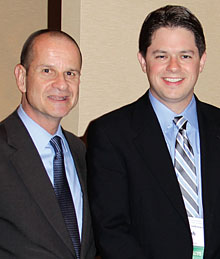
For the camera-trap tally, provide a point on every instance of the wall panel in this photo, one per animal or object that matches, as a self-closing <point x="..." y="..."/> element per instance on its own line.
<point x="19" y="18"/>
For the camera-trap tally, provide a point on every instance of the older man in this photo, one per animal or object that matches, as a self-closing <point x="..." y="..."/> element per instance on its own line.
<point x="44" y="210"/>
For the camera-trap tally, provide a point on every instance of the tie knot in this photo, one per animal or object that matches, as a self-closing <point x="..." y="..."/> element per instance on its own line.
<point x="56" y="144"/>
<point x="180" y="122"/>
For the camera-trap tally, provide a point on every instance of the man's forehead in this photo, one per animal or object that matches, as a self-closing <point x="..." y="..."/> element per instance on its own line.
<point x="51" y="38"/>
<point x="171" y="34"/>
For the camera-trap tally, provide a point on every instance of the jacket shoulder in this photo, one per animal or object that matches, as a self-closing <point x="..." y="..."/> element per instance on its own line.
<point x="209" y="110"/>
<point x="72" y="139"/>
<point x="121" y="115"/>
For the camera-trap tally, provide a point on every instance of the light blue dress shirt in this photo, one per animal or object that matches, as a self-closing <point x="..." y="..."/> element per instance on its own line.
<point x="41" y="139"/>
<point x="165" y="117"/>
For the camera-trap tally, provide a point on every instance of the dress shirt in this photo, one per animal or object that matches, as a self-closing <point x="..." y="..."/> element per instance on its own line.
<point x="165" y="117"/>
<point x="41" y="139"/>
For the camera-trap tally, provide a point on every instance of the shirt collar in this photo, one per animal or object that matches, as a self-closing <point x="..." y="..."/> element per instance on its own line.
<point x="35" y="130"/>
<point x="190" y="113"/>
<point x="166" y="116"/>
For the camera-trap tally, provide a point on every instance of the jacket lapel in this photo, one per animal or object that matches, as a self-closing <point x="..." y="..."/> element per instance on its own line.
<point x="80" y="165"/>
<point x="30" y="168"/>
<point x="151" y="145"/>
<point x="78" y="155"/>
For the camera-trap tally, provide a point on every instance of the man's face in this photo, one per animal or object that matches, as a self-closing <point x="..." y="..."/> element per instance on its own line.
<point x="50" y="88"/>
<point x="172" y="64"/>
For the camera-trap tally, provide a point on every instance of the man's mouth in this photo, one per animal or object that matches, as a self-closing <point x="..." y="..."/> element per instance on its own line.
<point x="58" y="98"/>
<point x="172" y="80"/>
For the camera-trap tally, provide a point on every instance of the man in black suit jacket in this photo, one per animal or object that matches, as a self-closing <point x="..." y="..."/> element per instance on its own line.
<point x="31" y="222"/>
<point x="138" y="208"/>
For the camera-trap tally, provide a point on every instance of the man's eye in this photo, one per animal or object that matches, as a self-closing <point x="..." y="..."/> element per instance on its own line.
<point x="160" y="57"/>
<point x="186" y="56"/>
<point x="70" y="73"/>
<point x="73" y="74"/>
<point x="46" y="70"/>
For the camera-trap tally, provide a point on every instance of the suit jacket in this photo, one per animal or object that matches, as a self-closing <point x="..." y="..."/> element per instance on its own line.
<point x="31" y="222"/>
<point x="136" y="202"/>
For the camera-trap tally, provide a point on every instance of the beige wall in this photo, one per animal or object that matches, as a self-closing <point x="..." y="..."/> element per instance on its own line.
<point x="18" y="19"/>
<point x="70" y="23"/>
<point x="107" y="32"/>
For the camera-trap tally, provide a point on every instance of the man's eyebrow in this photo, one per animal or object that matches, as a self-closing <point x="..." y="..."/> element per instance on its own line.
<point x="52" y="66"/>
<point x="73" y="70"/>
<point x="187" y="51"/>
<point x="159" y="51"/>
<point x="45" y="65"/>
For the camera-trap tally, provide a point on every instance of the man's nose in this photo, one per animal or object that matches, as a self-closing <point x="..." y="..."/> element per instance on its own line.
<point x="60" y="82"/>
<point x="173" y="64"/>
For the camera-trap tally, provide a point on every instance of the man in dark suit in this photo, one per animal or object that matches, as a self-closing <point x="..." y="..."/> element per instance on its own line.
<point x="34" y="220"/>
<point x="153" y="183"/>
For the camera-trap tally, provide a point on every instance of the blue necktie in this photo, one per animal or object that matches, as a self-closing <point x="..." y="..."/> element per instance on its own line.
<point x="185" y="168"/>
<point x="63" y="194"/>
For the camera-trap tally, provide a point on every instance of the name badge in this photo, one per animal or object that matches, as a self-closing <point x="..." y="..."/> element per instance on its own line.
<point x="196" y="226"/>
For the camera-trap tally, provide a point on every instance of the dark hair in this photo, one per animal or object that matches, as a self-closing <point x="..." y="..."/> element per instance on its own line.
<point x="171" y="16"/>
<point x="27" y="53"/>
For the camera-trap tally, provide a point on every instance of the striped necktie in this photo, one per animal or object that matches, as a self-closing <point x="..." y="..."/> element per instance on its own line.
<point x="184" y="165"/>
<point x="63" y="194"/>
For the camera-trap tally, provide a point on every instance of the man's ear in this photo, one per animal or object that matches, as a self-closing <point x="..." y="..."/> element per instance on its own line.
<point x="202" y="62"/>
<point x="142" y="61"/>
<point x="20" y="76"/>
